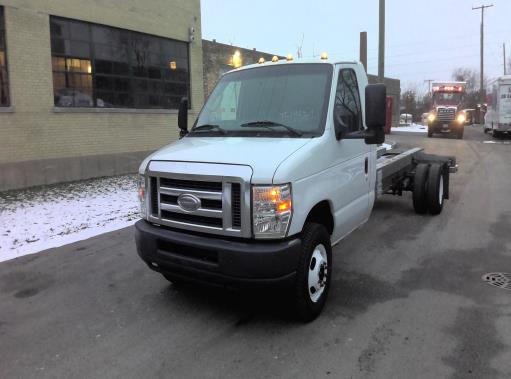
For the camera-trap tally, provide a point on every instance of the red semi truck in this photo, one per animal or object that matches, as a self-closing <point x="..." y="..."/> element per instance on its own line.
<point x="447" y="115"/>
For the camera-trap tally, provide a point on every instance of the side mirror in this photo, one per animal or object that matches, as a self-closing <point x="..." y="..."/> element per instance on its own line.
<point x="376" y="113"/>
<point x="182" y="117"/>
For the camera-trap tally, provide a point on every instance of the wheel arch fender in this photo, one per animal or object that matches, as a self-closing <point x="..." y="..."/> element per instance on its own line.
<point x="321" y="213"/>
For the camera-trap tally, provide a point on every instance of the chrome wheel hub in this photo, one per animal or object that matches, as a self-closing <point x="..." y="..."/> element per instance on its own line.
<point x="318" y="273"/>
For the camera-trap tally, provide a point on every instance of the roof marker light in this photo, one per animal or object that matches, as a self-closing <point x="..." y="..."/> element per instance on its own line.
<point x="261" y="60"/>
<point x="289" y="57"/>
<point x="324" y="56"/>
<point x="275" y="59"/>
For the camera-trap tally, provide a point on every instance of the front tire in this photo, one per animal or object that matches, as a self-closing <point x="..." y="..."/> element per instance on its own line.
<point x="172" y="279"/>
<point x="460" y="132"/>
<point x="430" y="131"/>
<point x="314" y="273"/>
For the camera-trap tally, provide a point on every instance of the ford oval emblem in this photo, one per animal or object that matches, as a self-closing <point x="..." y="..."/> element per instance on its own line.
<point x="188" y="203"/>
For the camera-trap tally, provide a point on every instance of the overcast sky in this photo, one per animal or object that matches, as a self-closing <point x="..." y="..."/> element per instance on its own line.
<point x="425" y="39"/>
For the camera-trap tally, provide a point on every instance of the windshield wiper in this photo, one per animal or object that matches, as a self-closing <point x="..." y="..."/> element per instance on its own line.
<point x="269" y="125"/>
<point x="209" y="128"/>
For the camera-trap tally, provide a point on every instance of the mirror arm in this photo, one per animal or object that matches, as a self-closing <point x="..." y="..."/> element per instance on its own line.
<point x="367" y="133"/>
<point x="182" y="133"/>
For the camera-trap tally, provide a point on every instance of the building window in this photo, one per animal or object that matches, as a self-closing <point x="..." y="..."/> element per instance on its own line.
<point x="101" y="66"/>
<point x="4" y="84"/>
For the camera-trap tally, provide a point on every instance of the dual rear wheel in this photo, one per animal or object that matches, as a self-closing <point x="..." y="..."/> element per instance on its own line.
<point x="429" y="188"/>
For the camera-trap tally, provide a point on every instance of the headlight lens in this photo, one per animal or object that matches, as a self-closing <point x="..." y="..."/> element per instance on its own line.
<point x="142" y="196"/>
<point x="461" y="118"/>
<point x="272" y="209"/>
<point x="431" y="117"/>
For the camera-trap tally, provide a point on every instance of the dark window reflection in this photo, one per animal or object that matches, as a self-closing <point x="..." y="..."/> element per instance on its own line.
<point x="4" y="84"/>
<point x="101" y="66"/>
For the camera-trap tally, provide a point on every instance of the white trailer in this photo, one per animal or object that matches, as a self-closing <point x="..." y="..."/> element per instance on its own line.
<point x="498" y="116"/>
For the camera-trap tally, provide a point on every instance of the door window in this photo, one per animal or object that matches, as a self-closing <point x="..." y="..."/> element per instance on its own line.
<point x="347" y="101"/>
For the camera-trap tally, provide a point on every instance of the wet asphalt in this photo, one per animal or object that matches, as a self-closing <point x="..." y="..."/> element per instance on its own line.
<point x="407" y="299"/>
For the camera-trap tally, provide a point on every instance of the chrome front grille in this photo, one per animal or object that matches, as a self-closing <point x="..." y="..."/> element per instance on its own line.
<point x="200" y="197"/>
<point x="446" y="114"/>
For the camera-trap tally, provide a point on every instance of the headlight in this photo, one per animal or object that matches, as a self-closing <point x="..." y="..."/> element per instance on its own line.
<point x="272" y="209"/>
<point x="431" y="117"/>
<point x="461" y="118"/>
<point x="142" y="196"/>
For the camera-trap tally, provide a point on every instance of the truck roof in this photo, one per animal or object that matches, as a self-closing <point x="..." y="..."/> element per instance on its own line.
<point x="448" y="83"/>
<point x="295" y="61"/>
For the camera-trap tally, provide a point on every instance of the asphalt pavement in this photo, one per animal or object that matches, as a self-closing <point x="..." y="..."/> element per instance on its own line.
<point x="407" y="299"/>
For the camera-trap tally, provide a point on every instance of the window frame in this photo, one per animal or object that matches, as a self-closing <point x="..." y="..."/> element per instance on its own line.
<point x="361" y="125"/>
<point x="5" y="67"/>
<point x="125" y="85"/>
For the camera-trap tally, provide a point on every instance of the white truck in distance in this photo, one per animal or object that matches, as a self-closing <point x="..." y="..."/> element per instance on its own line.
<point x="281" y="164"/>
<point x="498" y="116"/>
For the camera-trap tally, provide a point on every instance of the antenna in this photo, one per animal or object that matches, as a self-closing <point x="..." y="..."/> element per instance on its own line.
<point x="299" y="52"/>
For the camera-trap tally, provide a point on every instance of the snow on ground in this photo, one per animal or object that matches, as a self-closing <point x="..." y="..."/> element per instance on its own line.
<point x="411" y="128"/>
<point x="33" y="220"/>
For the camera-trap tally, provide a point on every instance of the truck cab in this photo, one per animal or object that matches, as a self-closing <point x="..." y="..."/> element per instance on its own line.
<point x="278" y="167"/>
<point x="281" y="164"/>
<point x="447" y="115"/>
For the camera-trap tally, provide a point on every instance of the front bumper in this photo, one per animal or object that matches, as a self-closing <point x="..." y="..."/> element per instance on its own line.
<point x="223" y="261"/>
<point x="444" y="127"/>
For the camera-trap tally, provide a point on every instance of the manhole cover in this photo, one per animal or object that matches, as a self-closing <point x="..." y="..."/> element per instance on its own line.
<point x="498" y="279"/>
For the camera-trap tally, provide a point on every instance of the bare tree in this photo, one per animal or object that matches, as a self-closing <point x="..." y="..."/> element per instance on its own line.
<point x="464" y="74"/>
<point x="471" y="77"/>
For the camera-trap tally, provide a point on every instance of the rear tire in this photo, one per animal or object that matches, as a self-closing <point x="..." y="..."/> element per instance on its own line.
<point x="314" y="272"/>
<point x="419" y="188"/>
<point x="435" y="189"/>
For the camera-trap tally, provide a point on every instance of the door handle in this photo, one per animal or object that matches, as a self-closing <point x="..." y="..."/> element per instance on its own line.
<point x="366" y="165"/>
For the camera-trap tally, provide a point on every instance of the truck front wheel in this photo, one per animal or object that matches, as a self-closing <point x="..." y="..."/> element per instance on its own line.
<point x="460" y="133"/>
<point x="314" y="272"/>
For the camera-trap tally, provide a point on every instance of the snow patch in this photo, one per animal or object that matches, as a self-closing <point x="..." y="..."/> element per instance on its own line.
<point x="33" y="220"/>
<point x="412" y="128"/>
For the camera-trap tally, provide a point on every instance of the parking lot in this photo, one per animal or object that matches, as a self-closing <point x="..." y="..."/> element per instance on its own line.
<point x="407" y="299"/>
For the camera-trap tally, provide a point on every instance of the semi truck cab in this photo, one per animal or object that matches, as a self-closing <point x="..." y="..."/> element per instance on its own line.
<point x="447" y="115"/>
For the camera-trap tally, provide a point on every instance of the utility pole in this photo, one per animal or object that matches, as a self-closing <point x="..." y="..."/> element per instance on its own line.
<point x="381" y="43"/>
<point x="505" y="63"/>
<point x="482" y="8"/>
<point x="363" y="49"/>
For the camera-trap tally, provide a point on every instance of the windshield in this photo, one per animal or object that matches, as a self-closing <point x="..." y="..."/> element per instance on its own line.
<point x="447" y="98"/>
<point x="281" y="100"/>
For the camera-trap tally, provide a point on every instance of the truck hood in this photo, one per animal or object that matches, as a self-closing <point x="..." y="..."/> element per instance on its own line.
<point x="263" y="155"/>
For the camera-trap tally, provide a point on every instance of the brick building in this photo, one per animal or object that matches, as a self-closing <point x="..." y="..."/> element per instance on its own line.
<point x="219" y="58"/>
<point x="89" y="88"/>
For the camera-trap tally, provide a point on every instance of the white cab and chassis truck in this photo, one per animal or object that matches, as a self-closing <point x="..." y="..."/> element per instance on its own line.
<point x="282" y="163"/>
<point x="498" y="115"/>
